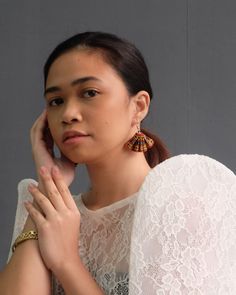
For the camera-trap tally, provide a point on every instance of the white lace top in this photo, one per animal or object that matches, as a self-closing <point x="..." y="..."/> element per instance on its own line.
<point x="104" y="244"/>
<point x="176" y="235"/>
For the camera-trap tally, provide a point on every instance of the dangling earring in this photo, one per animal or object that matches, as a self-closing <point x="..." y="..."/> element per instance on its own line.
<point x="140" y="142"/>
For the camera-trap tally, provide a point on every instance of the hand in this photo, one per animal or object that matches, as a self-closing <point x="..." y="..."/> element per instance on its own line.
<point x="42" y="149"/>
<point x="57" y="221"/>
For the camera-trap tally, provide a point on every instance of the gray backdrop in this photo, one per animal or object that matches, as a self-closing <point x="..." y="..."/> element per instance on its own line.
<point x="189" y="47"/>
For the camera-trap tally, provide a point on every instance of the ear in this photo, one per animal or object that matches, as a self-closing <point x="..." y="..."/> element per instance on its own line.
<point x="141" y="103"/>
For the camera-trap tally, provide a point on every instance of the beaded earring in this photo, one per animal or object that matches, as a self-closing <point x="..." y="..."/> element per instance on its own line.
<point x="140" y="142"/>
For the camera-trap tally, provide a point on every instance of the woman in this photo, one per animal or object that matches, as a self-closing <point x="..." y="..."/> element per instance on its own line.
<point x="150" y="224"/>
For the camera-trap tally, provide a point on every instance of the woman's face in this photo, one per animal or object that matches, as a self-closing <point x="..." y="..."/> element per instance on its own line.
<point x="85" y="94"/>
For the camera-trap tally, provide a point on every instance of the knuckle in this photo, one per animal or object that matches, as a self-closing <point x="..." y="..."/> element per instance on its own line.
<point x="70" y="215"/>
<point x="75" y="215"/>
<point x="47" y="177"/>
<point x="52" y="194"/>
<point x="58" y="175"/>
<point x="44" y="226"/>
<point x="57" y="219"/>
<point x="64" y="190"/>
<point x="42" y="200"/>
<point x="34" y="213"/>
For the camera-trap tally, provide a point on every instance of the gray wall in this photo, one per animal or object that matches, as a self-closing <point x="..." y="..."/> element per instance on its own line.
<point x="189" y="47"/>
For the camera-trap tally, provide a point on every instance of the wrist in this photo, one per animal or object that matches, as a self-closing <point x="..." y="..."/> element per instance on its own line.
<point x="29" y="225"/>
<point x="76" y="279"/>
<point x="66" y="266"/>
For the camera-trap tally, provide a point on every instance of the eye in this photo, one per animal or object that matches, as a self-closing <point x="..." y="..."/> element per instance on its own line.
<point x="90" y="93"/>
<point x="55" y="102"/>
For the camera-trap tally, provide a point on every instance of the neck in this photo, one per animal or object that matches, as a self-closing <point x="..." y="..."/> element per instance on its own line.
<point x="113" y="180"/>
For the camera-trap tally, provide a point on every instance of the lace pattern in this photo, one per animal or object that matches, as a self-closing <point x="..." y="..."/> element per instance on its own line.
<point x="177" y="235"/>
<point x="105" y="244"/>
<point x="187" y="245"/>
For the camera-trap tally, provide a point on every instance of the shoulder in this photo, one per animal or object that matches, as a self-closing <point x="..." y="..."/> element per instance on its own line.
<point x="24" y="194"/>
<point x="22" y="189"/>
<point x="191" y="169"/>
<point x="186" y="216"/>
<point x="188" y="175"/>
<point x="193" y="161"/>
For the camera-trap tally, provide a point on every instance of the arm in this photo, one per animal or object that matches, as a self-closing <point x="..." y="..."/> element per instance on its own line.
<point x="26" y="267"/>
<point x="58" y="225"/>
<point x="76" y="279"/>
<point x="21" y="273"/>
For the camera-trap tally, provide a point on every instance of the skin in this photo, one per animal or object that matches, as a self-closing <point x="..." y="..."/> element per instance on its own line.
<point x="109" y="115"/>
<point x="103" y="112"/>
<point x="106" y="112"/>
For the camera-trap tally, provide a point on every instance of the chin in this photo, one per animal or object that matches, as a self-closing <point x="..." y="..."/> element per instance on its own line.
<point x="78" y="158"/>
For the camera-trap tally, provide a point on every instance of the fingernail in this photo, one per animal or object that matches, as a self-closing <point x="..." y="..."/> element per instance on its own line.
<point x="27" y="203"/>
<point x="31" y="186"/>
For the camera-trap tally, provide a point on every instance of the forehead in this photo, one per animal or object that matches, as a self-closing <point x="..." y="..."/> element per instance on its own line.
<point x="77" y="63"/>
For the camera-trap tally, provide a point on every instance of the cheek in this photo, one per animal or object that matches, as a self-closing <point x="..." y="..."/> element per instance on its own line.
<point x="113" y="129"/>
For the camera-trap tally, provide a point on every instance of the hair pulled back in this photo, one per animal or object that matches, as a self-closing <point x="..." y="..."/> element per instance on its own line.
<point x="129" y="64"/>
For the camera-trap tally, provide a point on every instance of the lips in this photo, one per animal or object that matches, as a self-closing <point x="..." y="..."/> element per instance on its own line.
<point x="71" y="134"/>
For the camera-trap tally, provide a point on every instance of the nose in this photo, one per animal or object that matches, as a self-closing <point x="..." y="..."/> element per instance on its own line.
<point x="71" y="113"/>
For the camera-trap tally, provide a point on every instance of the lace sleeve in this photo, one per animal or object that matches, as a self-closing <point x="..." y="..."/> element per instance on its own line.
<point x="184" y="232"/>
<point x="21" y="212"/>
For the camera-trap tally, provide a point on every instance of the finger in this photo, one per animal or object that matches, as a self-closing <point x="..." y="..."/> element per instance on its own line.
<point x="42" y="201"/>
<point x="38" y="127"/>
<point x="41" y="120"/>
<point x="51" y="190"/>
<point x="48" y="139"/>
<point x="63" y="189"/>
<point x="35" y="215"/>
<point x="41" y="136"/>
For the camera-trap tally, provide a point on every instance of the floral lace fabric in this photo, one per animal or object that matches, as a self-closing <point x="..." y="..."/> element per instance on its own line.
<point x="104" y="244"/>
<point x="184" y="229"/>
<point x="176" y="235"/>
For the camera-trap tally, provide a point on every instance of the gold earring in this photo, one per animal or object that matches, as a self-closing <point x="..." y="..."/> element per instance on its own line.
<point x="140" y="142"/>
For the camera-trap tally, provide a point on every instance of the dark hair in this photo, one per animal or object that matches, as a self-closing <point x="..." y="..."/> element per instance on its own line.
<point x="127" y="61"/>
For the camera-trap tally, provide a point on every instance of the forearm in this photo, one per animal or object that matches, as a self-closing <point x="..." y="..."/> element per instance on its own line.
<point x="26" y="274"/>
<point x="76" y="280"/>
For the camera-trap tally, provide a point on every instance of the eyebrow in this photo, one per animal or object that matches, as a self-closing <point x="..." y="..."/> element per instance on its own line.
<point x="82" y="80"/>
